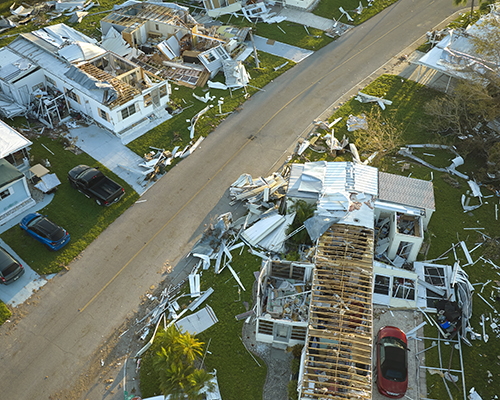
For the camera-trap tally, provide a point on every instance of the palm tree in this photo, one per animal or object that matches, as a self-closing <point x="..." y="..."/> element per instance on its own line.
<point x="200" y="381"/>
<point x="172" y="374"/>
<point x="174" y="364"/>
<point x="189" y="346"/>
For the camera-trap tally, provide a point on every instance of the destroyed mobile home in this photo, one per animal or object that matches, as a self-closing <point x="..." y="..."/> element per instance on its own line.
<point x="172" y="45"/>
<point x="326" y="302"/>
<point x="56" y="70"/>
<point x="121" y="83"/>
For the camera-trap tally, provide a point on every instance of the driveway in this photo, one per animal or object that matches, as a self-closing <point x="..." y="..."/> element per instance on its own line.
<point x="55" y="350"/>
<point x="19" y="291"/>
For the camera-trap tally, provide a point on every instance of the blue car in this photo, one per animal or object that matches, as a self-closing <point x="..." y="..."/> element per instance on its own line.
<point x="45" y="231"/>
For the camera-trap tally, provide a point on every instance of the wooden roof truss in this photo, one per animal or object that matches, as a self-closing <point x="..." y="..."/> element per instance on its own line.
<point x="338" y="348"/>
<point x="147" y="12"/>
<point x="125" y="91"/>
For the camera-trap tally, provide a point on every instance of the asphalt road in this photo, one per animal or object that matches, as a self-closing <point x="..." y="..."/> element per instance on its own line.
<point x="76" y="312"/>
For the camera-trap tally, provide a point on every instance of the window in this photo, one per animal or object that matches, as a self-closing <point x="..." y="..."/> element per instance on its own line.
<point x="103" y="114"/>
<point x="163" y="91"/>
<point x="72" y="95"/>
<point x="40" y="86"/>
<point x="147" y="100"/>
<point x="157" y="28"/>
<point x="128" y="111"/>
<point x="51" y="81"/>
<point x="209" y="57"/>
<point x="5" y="194"/>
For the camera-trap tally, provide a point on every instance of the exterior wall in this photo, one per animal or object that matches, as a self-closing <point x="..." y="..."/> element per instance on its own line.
<point x="427" y="217"/>
<point x="397" y="239"/>
<point x="21" y="90"/>
<point x="272" y="338"/>
<point x="115" y="123"/>
<point x="165" y="30"/>
<point x="142" y="111"/>
<point x="214" y="9"/>
<point x="17" y="202"/>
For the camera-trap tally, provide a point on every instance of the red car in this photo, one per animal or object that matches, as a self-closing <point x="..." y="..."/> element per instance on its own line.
<point x="392" y="362"/>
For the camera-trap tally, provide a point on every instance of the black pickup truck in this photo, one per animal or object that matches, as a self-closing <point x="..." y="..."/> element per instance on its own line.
<point x="93" y="183"/>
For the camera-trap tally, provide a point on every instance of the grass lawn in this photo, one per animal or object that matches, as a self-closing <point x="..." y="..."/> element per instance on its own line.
<point x="5" y="313"/>
<point x="228" y="355"/>
<point x="446" y="226"/>
<point x="80" y="216"/>
<point x="330" y="9"/>
<point x="285" y="32"/>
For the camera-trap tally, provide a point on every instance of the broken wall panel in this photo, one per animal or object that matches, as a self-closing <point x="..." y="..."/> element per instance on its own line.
<point x="283" y="298"/>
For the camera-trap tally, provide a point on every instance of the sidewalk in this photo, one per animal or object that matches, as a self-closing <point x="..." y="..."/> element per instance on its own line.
<point x="305" y="18"/>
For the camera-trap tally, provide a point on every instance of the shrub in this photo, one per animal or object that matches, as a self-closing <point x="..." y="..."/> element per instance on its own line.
<point x="292" y="390"/>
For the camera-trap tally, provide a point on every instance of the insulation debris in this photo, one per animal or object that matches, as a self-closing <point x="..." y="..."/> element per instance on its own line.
<point x="366" y="98"/>
<point x="355" y="123"/>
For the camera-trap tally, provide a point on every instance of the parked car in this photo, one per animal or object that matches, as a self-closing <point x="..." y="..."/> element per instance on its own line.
<point x="392" y="362"/>
<point x="10" y="269"/>
<point x="94" y="184"/>
<point x="45" y="231"/>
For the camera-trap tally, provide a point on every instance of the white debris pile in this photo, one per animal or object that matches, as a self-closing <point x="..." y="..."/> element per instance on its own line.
<point x="355" y="123"/>
<point x="407" y="151"/>
<point x="254" y="190"/>
<point x="259" y="12"/>
<point x="367" y="98"/>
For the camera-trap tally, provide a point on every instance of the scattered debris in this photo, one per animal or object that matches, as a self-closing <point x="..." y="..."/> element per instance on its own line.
<point x="366" y="98"/>
<point x="355" y="123"/>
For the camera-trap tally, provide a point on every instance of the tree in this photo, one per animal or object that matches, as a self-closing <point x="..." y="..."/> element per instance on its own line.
<point x="189" y="346"/>
<point x="174" y="364"/>
<point x="200" y="382"/>
<point x="383" y="133"/>
<point x="470" y="103"/>
<point x="304" y="211"/>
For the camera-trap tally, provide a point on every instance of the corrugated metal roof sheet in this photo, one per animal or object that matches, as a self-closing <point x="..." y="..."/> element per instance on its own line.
<point x="365" y="179"/>
<point x="11" y="140"/>
<point x="408" y="191"/>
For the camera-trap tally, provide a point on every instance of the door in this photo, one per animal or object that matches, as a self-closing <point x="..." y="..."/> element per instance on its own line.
<point x="282" y="332"/>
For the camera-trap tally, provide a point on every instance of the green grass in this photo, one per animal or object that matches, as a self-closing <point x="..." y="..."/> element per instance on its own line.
<point x="80" y="216"/>
<point x="228" y="355"/>
<point x="285" y="32"/>
<point x="330" y="9"/>
<point x="408" y="99"/>
<point x="5" y="313"/>
<point x="175" y="131"/>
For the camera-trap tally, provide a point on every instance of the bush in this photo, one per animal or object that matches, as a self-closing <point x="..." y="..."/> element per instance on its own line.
<point x="295" y="365"/>
<point x="292" y="390"/>
<point x="5" y="313"/>
<point x="297" y="350"/>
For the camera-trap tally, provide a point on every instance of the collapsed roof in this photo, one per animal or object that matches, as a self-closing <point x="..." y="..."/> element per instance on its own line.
<point x="75" y="58"/>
